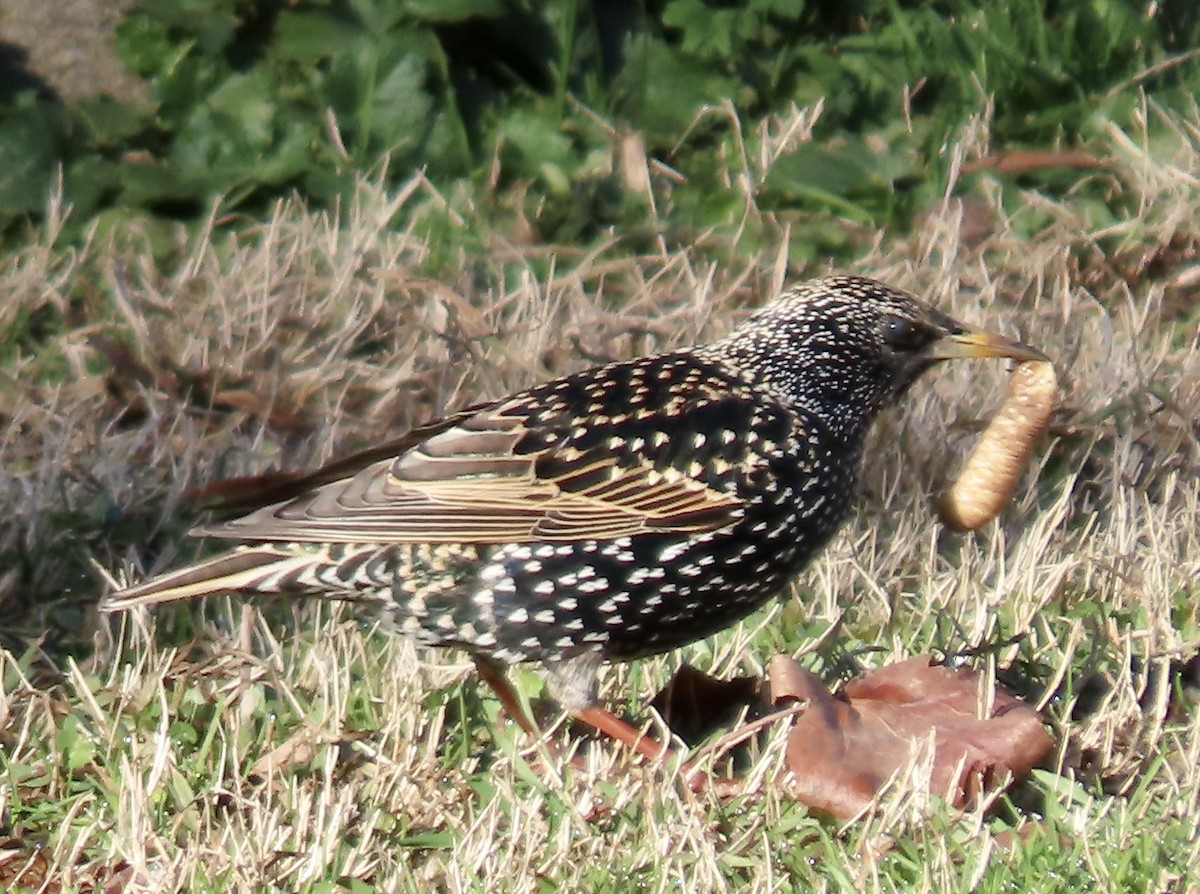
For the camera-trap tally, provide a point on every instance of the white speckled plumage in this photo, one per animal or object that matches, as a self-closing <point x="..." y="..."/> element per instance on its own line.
<point x="618" y="512"/>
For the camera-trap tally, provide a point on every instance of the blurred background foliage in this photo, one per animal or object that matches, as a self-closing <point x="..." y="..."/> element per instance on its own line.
<point x="523" y="112"/>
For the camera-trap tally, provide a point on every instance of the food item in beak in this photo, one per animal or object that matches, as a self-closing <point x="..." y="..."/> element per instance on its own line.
<point x="990" y="475"/>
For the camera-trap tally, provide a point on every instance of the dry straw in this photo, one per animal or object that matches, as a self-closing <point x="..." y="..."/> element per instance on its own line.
<point x="333" y="323"/>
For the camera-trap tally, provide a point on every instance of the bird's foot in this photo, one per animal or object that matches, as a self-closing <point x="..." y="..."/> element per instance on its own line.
<point x="695" y="773"/>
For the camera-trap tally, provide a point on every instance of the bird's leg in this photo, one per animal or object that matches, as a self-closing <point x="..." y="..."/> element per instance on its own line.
<point x="600" y="719"/>
<point x="491" y="674"/>
<point x="608" y="723"/>
<point x="595" y="716"/>
<point x="695" y="778"/>
<point x="573" y="685"/>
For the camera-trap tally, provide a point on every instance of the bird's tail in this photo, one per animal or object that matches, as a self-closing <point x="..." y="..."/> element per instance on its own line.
<point x="249" y="569"/>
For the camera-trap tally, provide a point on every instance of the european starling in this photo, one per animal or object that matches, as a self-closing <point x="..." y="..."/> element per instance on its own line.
<point x="608" y="515"/>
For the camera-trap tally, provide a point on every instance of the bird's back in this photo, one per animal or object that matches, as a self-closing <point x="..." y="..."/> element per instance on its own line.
<point x="626" y="509"/>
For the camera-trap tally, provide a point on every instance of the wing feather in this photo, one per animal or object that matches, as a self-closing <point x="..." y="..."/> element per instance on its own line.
<point x="470" y="482"/>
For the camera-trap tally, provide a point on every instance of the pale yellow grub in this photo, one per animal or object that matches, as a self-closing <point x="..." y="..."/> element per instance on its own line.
<point x="989" y="477"/>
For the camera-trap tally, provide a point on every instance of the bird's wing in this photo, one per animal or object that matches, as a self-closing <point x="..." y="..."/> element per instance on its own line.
<point x="477" y="482"/>
<point x="241" y="494"/>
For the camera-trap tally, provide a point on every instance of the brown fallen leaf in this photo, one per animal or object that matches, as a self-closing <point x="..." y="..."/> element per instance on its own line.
<point x="123" y="363"/>
<point x="242" y="400"/>
<point x="694" y="704"/>
<point x="123" y="878"/>
<point x="845" y="747"/>
<point x="24" y="867"/>
<point x="212" y="392"/>
<point x="296" y="750"/>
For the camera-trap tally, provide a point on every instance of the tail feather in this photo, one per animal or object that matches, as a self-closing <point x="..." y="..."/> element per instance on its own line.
<point x="251" y="569"/>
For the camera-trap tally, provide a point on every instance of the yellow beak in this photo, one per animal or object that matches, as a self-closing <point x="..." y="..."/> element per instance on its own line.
<point x="978" y="343"/>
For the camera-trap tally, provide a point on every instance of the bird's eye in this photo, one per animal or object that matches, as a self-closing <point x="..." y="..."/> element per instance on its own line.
<point x="901" y="333"/>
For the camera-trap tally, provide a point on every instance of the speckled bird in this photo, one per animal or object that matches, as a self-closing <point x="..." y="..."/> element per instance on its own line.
<point x="608" y="515"/>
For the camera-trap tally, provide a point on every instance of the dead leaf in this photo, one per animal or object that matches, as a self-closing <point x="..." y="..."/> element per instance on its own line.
<point x="240" y="399"/>
<point x="297" y="749"/>
<point x="24" y="867"/>
<point x="124" y="364"/>
<point x="694" y="705"/>
<point x="845" y="747"/>
<point x="122" y="878"/>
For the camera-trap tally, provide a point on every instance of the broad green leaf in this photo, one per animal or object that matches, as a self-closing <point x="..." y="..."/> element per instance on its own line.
<point x="32" y="141"/>
<point x="308" y="36"/>
<point x="111" y="122"/>
<point x="242" y="108"/>
<point x="813" y="167"/>
<point x="661" y="92"/>
<point x="454" y="10"/>
<point x="379" y="16"/>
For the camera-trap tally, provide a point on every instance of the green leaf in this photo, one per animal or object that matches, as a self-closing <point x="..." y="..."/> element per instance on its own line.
<point x="309" y="37"/>
<point x="538" y="139"/>
<point x="428" y="840"/>
<point x="110" y="122"/>
<point x="183" y="732"/>
<point x="379" y="97"/>
<point x="144" y="184"/>
<point x="145" y="44"/>
<point x="713" y="35"/>
<point x="74" y="744"/>
<point x="454" y="10"/>
<point x="379" y="16"/>
<point x="661" y="91"/>
<point x="32" y="140"/>
<point x="242" y="109"/>
<point x="812" y="168"/>
<point x="400" y="106"/>
<point x="211" y="23"/>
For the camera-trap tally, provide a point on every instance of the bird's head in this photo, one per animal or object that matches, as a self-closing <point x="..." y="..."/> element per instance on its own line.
<point x="846" y="346"/>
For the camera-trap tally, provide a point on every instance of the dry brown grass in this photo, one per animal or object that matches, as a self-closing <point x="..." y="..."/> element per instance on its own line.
<point x="281" y="753"/>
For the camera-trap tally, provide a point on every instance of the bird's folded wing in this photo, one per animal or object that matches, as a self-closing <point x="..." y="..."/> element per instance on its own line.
<point x="470" y="484"/>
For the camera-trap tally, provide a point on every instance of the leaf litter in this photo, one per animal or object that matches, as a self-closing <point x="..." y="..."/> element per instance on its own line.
<point x="1094" y="564"/>
<point x="845" y="748"/>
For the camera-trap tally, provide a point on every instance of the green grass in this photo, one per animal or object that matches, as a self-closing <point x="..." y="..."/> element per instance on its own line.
<point x="523" y="107"/>
<point x="252" y="748"/>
